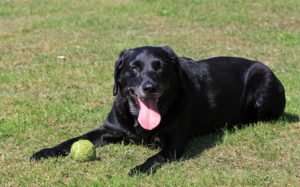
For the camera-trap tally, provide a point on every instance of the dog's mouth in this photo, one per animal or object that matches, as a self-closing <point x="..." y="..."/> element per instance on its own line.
<point x="149" y="116"/>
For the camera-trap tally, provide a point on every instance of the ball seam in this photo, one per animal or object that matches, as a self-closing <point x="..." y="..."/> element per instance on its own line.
<point x="77" y="151"/>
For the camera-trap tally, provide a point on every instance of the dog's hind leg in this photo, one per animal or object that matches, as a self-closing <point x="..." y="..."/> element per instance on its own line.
<point x="265" y="94"/>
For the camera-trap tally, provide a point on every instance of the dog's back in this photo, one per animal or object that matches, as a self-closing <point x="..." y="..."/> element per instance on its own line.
<point x="230" y="91"/>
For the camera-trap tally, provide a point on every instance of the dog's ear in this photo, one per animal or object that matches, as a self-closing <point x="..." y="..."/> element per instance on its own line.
<point x="118" y="66"/>
<point x="172" y="55"/>
<point x="175" y="61"/>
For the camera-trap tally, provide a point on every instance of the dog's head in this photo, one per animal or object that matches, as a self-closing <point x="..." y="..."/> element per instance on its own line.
<point x="143" y="76"/>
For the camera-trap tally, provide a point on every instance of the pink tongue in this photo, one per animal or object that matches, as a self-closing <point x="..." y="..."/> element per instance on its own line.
<point x="149" y="117"/>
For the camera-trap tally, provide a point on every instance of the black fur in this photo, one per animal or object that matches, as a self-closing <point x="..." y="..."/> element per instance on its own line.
<point x="194" y="98"/>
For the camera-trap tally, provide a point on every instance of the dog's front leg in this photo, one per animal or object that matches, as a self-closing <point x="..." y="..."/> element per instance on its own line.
<point x="98" y="137"/>
<point x="172" y="150"/>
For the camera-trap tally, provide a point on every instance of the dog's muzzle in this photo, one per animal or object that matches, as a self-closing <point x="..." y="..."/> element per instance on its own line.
<point x="149" y="116"/>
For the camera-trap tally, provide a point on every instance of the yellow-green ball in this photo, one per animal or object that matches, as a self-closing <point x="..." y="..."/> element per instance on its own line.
<point x="83" y="150"/>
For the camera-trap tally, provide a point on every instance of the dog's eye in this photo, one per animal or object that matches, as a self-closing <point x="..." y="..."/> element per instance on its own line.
<point x="156" y="65"/>
<point x="136" y="66"/>
<point x="133" y="67"/>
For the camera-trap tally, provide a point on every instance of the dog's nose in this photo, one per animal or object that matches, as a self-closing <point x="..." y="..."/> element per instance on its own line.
<point x="150" y="87"/>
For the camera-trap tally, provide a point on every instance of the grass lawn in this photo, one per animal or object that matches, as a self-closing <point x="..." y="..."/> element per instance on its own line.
<point x="45" y="100"/>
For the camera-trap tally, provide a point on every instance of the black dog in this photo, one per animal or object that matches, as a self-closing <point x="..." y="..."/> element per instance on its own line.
<point x="164" y="99"/>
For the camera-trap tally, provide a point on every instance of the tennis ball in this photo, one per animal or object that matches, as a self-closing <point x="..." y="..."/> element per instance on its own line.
<point x="83" y="150"/>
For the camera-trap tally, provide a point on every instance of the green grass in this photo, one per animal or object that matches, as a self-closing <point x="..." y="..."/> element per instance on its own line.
<point x="44" y="100"/>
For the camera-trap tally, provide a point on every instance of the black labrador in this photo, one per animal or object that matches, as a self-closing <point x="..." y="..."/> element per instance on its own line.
<point x="165" y="99"/>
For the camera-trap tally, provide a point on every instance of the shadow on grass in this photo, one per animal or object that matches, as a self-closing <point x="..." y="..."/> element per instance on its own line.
<point x="197" y="145"/>
<point x="201" y="143"/>
<point x="290" y="118"/>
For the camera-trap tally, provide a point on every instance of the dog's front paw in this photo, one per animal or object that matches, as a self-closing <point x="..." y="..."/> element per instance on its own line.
<point x="145" y="168"/>
<point x="44" y="153"/>
<point x="139" y="170"/>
